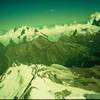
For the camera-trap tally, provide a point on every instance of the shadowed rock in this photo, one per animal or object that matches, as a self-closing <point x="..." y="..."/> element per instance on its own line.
<point x="3" y="59"/>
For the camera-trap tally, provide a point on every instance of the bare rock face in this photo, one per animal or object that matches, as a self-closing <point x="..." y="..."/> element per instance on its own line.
<point x="43" y="51"/>
<point x="3" y="59"/>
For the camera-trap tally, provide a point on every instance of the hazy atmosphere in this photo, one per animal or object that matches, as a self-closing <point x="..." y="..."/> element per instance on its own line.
<point x="45" y="12"/>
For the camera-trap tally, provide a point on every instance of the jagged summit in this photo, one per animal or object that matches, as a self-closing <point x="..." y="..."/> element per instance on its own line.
<point x="18" y="34"/>
<point x="53" y="33"/>
<point x="25" y="33"/>
<point x="95" y="19"/>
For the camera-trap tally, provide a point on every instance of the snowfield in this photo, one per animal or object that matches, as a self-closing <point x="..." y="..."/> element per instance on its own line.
<point x="30" y="82"/>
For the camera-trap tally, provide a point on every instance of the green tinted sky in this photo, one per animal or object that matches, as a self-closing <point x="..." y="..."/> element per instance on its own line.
<point x="45" y="12"/>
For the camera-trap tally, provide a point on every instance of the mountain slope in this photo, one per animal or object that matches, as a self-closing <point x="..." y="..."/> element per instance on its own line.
<point x="41" y="82"/>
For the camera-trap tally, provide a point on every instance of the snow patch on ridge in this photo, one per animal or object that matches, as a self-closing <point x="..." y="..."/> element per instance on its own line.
<point x="23" y="80"/>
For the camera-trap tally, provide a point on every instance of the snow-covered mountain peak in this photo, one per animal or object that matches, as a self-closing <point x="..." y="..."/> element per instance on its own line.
<point x="95" y="19"/>
<point x="25" y="33"/>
